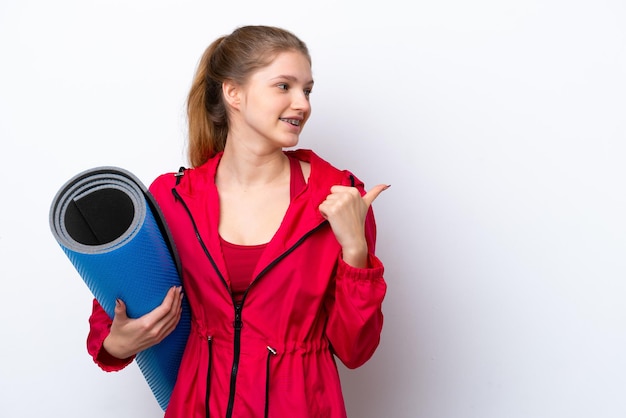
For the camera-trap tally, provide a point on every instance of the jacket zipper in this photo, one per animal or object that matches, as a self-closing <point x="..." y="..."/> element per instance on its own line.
<point x="207" y="394"/>
<point x="237" y="323"/>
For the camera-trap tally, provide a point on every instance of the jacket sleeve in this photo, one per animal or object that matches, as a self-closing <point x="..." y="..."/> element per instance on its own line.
<point x="99" y="328"/>
<point x="354" y="306"/>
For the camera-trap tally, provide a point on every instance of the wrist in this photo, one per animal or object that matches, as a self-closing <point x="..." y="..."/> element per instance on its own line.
<point x="355" y="256"/>
<point x="113" y="349"/>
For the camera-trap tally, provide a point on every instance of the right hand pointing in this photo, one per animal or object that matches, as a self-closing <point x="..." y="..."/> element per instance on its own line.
<point x="130" y="336"/>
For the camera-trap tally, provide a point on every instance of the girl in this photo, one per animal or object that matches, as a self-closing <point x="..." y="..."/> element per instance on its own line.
<point x="277" y="247"/>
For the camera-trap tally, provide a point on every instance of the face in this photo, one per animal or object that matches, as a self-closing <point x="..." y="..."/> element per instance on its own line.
<point x="273" y="106"/>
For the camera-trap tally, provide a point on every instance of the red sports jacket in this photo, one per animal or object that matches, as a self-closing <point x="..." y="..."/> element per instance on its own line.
<point x="274" y="355"/>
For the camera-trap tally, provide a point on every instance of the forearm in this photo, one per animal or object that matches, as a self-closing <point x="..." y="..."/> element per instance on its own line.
<point x="99" y="330"/>
<point x="355" y="312"/>
<point x="118" y="348"/>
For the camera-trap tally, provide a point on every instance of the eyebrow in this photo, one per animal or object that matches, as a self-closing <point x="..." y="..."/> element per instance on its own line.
<point x="291" y="78"/>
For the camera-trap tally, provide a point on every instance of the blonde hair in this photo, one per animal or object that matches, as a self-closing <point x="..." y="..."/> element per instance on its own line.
<point x="234" y="57"/>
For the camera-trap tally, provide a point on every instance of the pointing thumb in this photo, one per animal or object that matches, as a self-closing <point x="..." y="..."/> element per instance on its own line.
<point x="373" y="193"/>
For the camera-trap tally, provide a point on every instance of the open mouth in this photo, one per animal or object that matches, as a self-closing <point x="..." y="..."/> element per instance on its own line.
<point x="294" y="122"/>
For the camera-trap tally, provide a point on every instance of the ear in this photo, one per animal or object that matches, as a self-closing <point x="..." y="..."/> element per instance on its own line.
<point x="231" y="92"/>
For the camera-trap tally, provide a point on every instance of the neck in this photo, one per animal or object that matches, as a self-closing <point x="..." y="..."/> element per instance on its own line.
<point x="247" y="169"/>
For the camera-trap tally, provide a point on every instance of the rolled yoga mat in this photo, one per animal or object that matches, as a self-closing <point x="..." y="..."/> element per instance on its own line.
<point x="110" y="227"/>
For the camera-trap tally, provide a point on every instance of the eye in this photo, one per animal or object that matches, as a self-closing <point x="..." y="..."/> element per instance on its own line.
<point x="307" y="92"/>
<point x="283" y="86"/>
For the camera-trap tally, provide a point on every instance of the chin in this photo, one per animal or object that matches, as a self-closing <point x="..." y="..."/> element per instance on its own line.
<point x="290" y="143"/>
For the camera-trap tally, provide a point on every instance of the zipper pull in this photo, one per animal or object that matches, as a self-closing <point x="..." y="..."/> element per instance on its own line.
<point x="181" y="172"/>
<point x="237" y="323"/>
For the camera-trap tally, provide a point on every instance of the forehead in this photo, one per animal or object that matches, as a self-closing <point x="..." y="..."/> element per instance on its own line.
<point x="290" y="64"/>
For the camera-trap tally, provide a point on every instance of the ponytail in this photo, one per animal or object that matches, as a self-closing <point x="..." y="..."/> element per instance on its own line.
<point x="206" y="114"/>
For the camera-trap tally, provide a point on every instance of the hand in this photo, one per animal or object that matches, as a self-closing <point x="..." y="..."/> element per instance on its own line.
<point x="130" y="336"/>
<point x="345" y="209"/>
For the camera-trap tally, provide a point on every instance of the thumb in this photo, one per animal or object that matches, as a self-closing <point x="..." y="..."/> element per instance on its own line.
<point x="120" y="309"/>
<point x="374" y="192"/>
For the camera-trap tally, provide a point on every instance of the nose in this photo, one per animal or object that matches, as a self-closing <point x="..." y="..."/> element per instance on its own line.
<point x="301" y="102"/>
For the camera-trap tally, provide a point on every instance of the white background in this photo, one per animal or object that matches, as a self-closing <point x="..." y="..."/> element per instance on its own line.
<point x="500" y="125"/>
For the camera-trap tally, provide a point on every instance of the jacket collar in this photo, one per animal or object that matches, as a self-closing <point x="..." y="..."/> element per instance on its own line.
<point x="197" y="188"/>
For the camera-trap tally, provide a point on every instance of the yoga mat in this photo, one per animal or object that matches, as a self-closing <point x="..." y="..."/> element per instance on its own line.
<point x="110" y="227"/>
